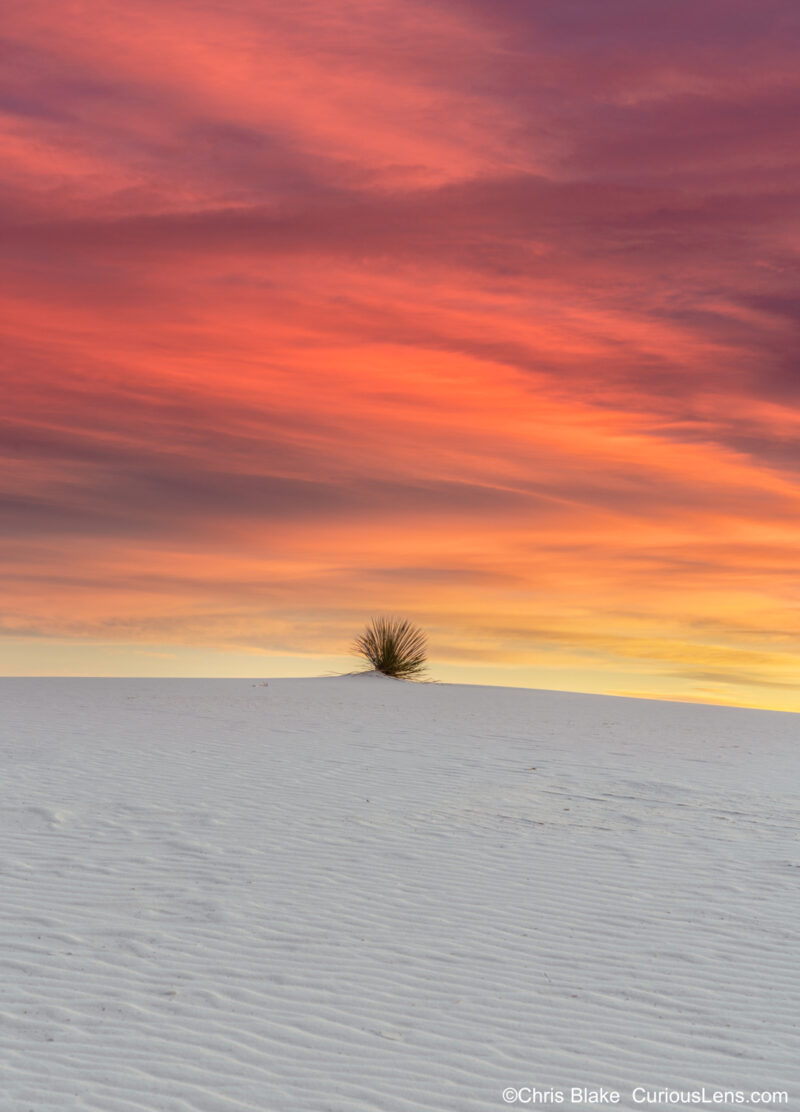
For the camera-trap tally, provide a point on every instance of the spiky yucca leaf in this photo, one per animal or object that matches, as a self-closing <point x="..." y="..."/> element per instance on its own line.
<point x="393" y="646"/>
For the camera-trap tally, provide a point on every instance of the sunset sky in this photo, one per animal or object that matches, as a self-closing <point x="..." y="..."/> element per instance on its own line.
<point x="481" y="312"/>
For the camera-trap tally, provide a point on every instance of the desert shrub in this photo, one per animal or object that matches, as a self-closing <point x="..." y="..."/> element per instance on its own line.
<point x="393" y="646"/>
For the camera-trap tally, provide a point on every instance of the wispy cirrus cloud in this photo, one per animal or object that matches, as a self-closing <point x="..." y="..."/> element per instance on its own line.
<point x="467" y="309"/>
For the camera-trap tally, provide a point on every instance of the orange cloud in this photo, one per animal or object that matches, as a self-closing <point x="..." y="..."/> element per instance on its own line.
<point x="481" y="312"/>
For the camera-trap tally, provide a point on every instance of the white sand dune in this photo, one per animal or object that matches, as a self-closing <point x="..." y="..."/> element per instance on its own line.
<point x="359" y="895"/>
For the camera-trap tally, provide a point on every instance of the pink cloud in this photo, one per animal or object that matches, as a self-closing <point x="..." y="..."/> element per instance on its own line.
<point x="408" y="301"/>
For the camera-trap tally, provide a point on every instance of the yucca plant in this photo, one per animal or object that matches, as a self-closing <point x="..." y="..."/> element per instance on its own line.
<point x="393" y="646"/>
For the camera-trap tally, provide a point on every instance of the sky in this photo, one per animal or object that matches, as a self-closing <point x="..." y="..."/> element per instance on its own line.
<point x="479" y="312"/>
